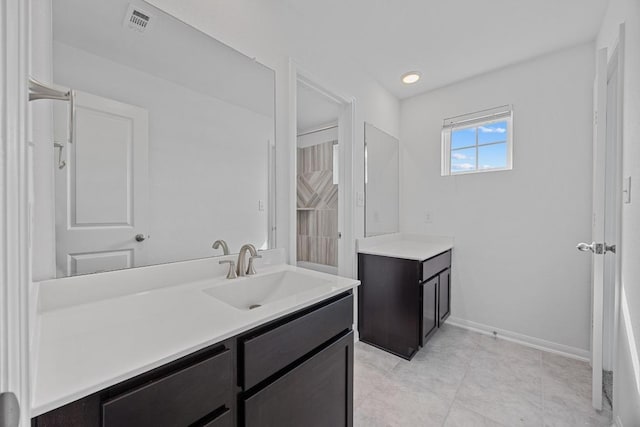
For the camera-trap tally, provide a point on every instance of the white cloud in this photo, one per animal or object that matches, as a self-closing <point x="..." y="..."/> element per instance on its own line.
<point x="464" y="166"/>
<point x="458" y="156"/>
<point x="484" y="129"/>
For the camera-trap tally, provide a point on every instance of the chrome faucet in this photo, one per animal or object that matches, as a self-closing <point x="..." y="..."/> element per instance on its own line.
<point x="250" y="269"/>
<point x="225" y="247"/>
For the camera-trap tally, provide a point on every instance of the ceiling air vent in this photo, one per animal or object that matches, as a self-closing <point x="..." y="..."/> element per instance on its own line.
<point x="137" y="19"/>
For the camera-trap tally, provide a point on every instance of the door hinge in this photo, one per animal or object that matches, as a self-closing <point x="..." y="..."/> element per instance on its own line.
<point x="9" y="410"/>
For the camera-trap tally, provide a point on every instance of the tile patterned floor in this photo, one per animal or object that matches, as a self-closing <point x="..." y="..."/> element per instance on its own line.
<point x="464" y="379"/>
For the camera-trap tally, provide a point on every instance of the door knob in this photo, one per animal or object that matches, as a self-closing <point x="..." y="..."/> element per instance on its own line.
<point x="584" y="247"/>
<point x="140" y="237"/>
<point x="596" y="248"/>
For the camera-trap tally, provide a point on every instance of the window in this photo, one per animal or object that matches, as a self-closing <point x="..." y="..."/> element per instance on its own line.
<point x="478" y="142"/>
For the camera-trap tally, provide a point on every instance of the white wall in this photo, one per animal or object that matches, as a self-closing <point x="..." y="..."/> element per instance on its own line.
<point x="207" y="158"/>
<point x="627" y="367"/>
<point x="270" y="32"/>
<point x="515" y="266"/>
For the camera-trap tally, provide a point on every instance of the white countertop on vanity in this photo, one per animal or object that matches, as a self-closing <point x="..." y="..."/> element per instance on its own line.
<point x="403" y="245"/>
<point x="98" y="330"/>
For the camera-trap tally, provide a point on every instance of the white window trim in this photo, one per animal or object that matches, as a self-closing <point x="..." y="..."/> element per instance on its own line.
<point x="493" y="115"/>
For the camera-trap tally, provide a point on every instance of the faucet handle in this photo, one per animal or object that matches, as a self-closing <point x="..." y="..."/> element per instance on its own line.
<point x="251" y="269"/>
<point x="231" y="274"/>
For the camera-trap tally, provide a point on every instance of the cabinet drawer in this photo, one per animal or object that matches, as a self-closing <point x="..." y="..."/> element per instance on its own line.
<point x="317" y="393"/>
<point x="178" y="399"/>
<point x="273" y="350"/>
<point x="435" y="265"/>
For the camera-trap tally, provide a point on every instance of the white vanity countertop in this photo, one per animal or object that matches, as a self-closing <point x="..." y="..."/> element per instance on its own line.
<point x="84" y="348"/>
<point x="407" y="246"/>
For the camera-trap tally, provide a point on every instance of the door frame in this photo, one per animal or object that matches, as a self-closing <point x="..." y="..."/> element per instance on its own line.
<point x="15" y="262"/>
<point x="346" y="143"/>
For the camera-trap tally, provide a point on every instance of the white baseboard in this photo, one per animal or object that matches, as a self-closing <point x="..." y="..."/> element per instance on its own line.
<point x="537" y="343"/>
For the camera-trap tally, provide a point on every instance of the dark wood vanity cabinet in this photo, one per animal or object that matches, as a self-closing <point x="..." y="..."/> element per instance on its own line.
<point x="402" y="302"/>
<point x="196" y="390"/>
<point x="316" y="393"/>
<point x="296" y="370"/>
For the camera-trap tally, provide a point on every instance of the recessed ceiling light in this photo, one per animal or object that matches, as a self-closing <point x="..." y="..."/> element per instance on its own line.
<point x="411" y="77"/>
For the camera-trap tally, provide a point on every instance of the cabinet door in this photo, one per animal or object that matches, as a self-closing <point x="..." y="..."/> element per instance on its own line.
<point x="429" y="309"/>
<point x="389" y="303"/>
<point x="317" y="393"/>
<point x="444" y="290"/>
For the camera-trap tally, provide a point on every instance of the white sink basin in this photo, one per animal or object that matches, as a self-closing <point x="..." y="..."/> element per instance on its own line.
<point x="250" y="293"/>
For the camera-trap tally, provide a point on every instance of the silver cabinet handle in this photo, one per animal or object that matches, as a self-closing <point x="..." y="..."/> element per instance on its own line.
<point x="140" y="238"/>
<point x="9" y="410"/>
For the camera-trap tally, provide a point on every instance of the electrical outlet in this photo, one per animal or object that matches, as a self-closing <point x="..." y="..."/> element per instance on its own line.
<point x="260" y="205"/>
<point x="428" y="217"/>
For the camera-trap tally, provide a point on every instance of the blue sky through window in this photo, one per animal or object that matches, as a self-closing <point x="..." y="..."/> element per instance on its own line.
<point x="483" y="147"/>
<point x="463" y="138"/>
<point x="493" y="132"/>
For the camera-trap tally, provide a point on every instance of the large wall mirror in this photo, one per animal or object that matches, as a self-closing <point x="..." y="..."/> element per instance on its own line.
<point x="382" y="182"/>
<point x="171" y="143"/>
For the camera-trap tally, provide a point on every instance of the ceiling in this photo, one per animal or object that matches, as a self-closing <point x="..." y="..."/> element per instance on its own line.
<point x="446" y="40"/>
<point x="314" y="110"/>
<point x="168" y="49"/>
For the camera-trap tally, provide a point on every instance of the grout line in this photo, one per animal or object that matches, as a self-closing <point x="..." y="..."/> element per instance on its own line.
<point x="466" y="371"/>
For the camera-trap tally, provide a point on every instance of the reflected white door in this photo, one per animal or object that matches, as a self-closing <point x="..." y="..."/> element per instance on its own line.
<point x="102" y="192"/>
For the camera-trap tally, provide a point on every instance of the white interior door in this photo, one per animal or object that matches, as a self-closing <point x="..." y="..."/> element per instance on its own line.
<point x="102" y="191"/>
<point x="597" y="247"/>
<point x="613" y="196"/>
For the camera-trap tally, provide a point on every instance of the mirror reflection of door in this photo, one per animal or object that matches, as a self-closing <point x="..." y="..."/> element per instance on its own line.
<point x="317" y="180"/>
<point x="102" y="189"/>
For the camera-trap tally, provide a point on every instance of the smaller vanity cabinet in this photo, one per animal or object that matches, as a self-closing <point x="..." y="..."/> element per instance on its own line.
<point x="402" y="302"/>
<point x="294" y="371"/>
